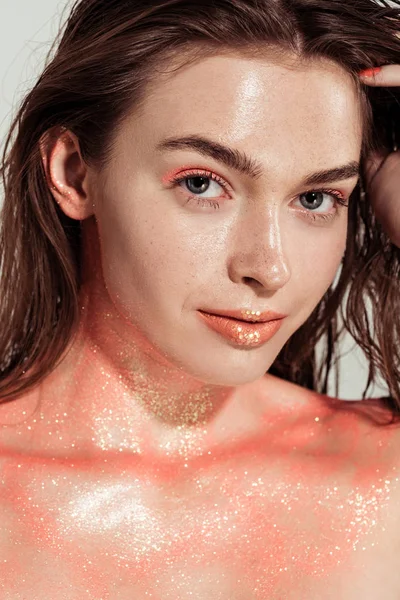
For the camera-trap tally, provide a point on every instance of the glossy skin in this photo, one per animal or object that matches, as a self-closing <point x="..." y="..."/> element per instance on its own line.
<point x="157" y="460"/>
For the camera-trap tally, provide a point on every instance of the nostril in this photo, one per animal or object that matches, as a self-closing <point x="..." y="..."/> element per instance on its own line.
<point x="250" y="280"/>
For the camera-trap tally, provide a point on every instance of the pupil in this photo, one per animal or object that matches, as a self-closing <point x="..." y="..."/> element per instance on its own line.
<point x="199" y="182"/>
<point x="314" y="198"/>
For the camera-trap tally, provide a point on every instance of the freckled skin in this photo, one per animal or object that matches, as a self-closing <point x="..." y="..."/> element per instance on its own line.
<point x="158" y="460"/>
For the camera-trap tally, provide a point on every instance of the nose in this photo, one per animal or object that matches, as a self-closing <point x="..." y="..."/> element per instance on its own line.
<point x="257" y="252"/>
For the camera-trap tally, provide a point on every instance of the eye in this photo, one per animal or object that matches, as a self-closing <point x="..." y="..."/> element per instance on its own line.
<point x="199" y="184"/>
<point x="204" y="185"/>
<point x="315" y="198"/>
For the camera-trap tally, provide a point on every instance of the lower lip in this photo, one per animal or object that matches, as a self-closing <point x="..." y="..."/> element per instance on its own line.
<point x="242" y="333"/>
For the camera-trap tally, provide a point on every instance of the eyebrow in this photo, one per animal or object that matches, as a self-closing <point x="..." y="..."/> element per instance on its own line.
<point x="239" y="161"/>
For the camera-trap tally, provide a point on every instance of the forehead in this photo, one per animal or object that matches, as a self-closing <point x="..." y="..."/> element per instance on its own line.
<point x="275" y="109"/>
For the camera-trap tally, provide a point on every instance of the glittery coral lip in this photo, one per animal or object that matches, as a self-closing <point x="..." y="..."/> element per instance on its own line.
<point x="242" y="333"/>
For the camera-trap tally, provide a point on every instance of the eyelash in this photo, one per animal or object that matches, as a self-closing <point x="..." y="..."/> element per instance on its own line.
<point x="215" y="204"/>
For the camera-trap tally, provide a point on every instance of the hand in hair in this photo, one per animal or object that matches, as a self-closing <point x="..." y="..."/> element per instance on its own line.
<point x="382" y="169"/>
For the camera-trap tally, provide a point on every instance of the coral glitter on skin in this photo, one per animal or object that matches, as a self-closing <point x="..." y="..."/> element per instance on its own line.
<point x="246" y="327"/>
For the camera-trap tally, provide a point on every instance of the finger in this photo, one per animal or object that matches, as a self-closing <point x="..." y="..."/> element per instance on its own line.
<point x="387" y="76"/>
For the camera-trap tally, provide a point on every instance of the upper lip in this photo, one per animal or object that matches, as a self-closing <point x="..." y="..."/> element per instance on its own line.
<point x="245" y="314"/>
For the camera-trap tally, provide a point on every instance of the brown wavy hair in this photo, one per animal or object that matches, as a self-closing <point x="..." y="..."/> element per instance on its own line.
<point x="100" y="68"/>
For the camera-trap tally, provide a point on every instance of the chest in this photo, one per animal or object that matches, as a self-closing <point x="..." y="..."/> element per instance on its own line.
<point x="222" y="529"/>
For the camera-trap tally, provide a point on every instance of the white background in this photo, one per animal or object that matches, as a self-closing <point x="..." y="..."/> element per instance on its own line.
<point x="27" y="29"/>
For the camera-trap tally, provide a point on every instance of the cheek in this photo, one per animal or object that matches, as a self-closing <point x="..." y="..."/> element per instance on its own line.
<point x="317" y="265"/>
<point x="312" y="272"/>
<point x="151" y="254"/>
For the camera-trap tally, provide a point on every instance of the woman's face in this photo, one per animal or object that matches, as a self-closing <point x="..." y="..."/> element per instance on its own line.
<point x="222" y="238"/>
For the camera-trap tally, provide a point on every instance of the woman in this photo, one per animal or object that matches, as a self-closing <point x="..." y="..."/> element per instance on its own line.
<point x="184" y="183"/>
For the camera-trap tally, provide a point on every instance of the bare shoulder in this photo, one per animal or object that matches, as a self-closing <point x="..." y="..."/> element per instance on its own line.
<point x="363" y="429"/>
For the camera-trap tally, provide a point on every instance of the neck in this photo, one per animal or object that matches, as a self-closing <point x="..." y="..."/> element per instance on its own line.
<point x="126" y="388"/>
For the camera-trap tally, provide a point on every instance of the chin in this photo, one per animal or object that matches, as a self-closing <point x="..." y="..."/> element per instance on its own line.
<point x="224" y="373"/>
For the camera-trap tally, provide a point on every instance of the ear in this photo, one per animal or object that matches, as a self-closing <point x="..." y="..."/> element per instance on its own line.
<point x="66" y="172"/>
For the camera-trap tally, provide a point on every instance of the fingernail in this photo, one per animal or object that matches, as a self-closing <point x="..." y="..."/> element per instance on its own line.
<point x="370" y="72"/>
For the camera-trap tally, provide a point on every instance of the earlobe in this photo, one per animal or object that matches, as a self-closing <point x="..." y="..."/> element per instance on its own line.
<point x="66" y="173"/>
